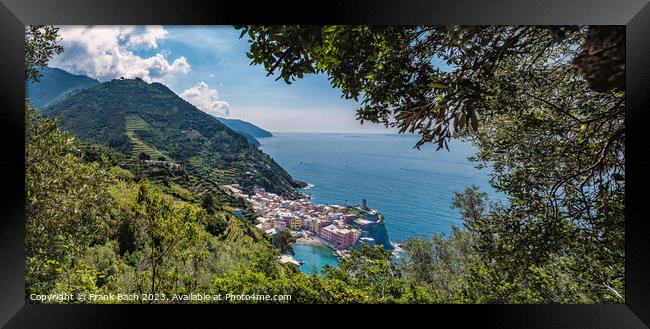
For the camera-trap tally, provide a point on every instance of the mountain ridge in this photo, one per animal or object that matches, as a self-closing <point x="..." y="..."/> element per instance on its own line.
<point x="245" y="126"/>
<point x="249" y="130"/>
<point x="133" y="117"/>
<point x="54" y="84"/>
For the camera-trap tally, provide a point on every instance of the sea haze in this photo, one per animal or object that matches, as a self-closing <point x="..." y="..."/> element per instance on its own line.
<point x="412" y="188"/>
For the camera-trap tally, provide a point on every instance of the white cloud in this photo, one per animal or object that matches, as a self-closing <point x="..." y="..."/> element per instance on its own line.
<point x="206" y="99"/>
<point x="147" y="37"/>
<point x="107" y="52"/>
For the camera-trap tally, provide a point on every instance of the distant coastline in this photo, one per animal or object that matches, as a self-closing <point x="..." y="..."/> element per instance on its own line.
<point x="346" y="167"/>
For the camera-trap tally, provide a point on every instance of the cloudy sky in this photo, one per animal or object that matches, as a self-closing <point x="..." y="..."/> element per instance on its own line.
<point x="207" y="66"/>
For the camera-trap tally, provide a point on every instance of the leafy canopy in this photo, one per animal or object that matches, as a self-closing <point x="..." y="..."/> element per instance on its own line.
<point x="432" y="80"/>
<point x="40" y="45"/>
<point x="543" y="104"/>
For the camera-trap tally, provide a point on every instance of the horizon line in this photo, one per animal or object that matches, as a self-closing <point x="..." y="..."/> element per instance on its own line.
<point x="336" y="132"/>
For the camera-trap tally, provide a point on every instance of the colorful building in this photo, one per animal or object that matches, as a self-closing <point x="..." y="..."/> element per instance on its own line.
<point x="264" y="223"/>
<point x="348" y="218"/>
<point x="295" y="223"/>
<point x="339" y="238"/>
<point x="334" y="217"/>
<point x="320" y="223"/>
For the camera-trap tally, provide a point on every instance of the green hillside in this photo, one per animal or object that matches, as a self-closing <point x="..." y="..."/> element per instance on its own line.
<point x="135" y="123"/>
<point x="54" y="84"/>
<point x="133" y="117"/>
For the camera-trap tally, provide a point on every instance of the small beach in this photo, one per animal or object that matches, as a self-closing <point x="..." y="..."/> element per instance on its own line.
<point x="308" y="239"/>
<point x="312" y="253"/>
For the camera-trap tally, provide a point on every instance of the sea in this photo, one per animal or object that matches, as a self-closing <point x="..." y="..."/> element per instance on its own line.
<point x="413" y="188"/>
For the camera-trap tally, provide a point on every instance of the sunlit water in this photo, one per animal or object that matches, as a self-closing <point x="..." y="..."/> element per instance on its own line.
<point x="314" y="256"/>
<point x="412" y="188"/>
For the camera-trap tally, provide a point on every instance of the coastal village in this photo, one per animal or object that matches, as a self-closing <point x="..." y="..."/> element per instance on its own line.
<point x="338" y="227"/>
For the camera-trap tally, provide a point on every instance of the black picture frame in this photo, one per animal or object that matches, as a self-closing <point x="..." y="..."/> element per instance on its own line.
<point x="15" y="14"/>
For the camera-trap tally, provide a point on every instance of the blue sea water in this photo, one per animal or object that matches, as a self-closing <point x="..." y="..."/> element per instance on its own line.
<point x="412" y="188"/>
<point x="314" y="256"/>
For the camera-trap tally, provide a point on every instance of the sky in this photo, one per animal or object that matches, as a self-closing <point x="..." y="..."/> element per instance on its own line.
<point x="207" y="66"/>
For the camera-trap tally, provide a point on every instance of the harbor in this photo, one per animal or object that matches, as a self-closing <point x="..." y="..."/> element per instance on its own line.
<point x="317" y="228"/>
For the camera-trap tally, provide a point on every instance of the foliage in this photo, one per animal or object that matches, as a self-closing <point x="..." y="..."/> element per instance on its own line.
<point x="532" y="99"/>
<point x="560" y="159"/>
<point x="95" y="227"/>
<point x="144" y="156"/>
<point x="283" y="241"/>
<point x="417" y="78"/>
<point x="98" y="222"/>
<point x="40" y="45"/>
<point x="373" y="271"/>
<point x="441" y="264"/>
<point x="162" y="245"/>
<point x="66" y="203"/>
<point x="559" y="266"/>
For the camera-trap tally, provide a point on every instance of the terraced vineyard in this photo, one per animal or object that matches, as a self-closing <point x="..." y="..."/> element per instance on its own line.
<point x="133" y="123"/>
<point x="205" y="179"/>
<point x="227" y="176"/>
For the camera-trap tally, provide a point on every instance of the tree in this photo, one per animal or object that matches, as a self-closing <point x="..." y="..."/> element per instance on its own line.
<point x="216" y="224"/>
<point x="283" y="240"/>
<point x="158" y="217"/>
<point x="144" y="156"/>
<point x="420" y="79"/>
<point x="531" y="98"/>
<point x="602" y="60"/>
<point x="40" y="45"/>
<point x="527" y="260"/>
<point x="67" y="206"/>
<point x="373" y="271"/>
<point x="537" y="101"/>
<point x="441" y="264"/>
<point x="208" y="203"/>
